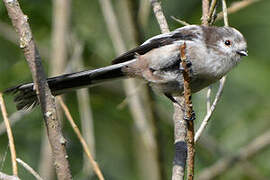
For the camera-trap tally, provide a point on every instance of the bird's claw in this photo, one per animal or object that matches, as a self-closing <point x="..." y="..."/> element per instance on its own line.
<point x="191" y="118"/>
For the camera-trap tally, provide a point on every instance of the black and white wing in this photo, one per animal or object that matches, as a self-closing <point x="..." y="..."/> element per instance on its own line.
<point x="180" y="34"/>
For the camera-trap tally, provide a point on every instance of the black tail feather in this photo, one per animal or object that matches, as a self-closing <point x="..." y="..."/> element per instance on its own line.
<point x="25" y="95"/>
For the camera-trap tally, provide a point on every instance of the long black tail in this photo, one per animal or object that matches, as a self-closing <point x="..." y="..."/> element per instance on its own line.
<point x="25" y="95"/>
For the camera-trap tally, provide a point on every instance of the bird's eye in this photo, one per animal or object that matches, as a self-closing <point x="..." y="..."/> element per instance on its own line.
<point x="227" y="42"/>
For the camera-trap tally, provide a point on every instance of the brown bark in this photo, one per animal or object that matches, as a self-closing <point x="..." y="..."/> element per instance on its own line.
<point x="57" y="141"/>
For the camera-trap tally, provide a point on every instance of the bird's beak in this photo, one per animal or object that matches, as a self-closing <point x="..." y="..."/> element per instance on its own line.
<point x="242" y="53"/>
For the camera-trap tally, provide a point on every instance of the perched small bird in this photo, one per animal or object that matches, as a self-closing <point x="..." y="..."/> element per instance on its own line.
<point x="212" y="53"/>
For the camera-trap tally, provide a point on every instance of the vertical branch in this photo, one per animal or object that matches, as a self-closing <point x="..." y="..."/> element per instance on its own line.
<point x="205" y="12"/>
<point x="61" y="16"/>
<point x="10" y="136"/>
<point x="180" y="133"/>
<point x="112" y="26"/>
<point x="60" y="25"/>
<point x="189" y="113"/>
<point x="57" y="141"/>
<point x="225" y="13"/>
<point x="180" y="125"/>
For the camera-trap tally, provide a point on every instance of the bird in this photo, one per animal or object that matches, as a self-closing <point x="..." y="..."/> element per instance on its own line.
<point x="211" y="52"/>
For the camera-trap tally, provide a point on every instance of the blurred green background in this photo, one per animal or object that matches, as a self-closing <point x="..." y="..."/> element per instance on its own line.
<point x="242" y="114"/>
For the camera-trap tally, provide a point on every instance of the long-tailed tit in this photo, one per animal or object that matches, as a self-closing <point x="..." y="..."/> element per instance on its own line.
<point x="211" y="51"/>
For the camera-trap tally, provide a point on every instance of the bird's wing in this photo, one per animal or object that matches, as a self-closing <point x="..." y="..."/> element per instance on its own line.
<point x="155" y="42"/>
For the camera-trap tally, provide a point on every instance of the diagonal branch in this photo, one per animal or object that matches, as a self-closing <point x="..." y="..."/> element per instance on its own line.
<point x="211" y="110"/>
<point x="246" y="152"/>
<point x="82" y="141"/>
<point x="160" y="16"/>
<point x="57" y="141"/>
<point x="29" y="169"/>
<point x="236" y="6"/>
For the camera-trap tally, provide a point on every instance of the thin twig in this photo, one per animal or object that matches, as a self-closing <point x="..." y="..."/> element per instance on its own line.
<point x="10" y="136"/>
<point x="189" y="113"/>
<point x="205" y="10"/>
<point x="211" y="145"/>
<point x="160" y="16"/>
<point x="112" y="26"/>
<point x="4" y="176"/>
<point x="208" y="98"/>
<point x="29" y="169"/>
<point x="225" y="13"/>
<point x="211" y="10"/>
<point x="80" y="137"/>
<point x="246" y="152"/>
<point x="236" y="6"/>
<point x="180" y="21"/>
<point x="27" y="44"/>
<point x="213" y="107"/>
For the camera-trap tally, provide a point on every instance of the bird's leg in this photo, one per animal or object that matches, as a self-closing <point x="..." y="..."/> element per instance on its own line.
<point x="189" y="64"/>
<point x="170" y="97"/>
<point x="191" y="118"/>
